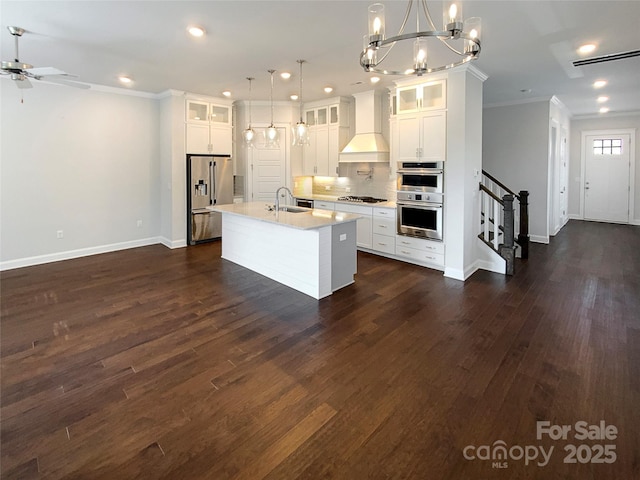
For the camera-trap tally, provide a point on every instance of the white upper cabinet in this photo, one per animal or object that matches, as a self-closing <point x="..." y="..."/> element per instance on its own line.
<point x="329" y="133"/>
<point x="419" y="126"/>
<point x="208" y="128"/>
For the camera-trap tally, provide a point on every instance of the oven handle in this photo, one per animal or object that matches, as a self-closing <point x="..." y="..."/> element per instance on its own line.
<point x="419" y="204"/>
<point x="421" y="171"/>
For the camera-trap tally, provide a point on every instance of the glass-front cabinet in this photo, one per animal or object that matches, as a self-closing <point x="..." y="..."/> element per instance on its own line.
<point x="424" y="96"/>
<point x="329" y="133"/>
<point x="205" y="112"/>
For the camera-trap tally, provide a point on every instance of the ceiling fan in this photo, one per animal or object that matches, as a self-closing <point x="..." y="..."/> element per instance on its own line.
<point x="22" y="72"/>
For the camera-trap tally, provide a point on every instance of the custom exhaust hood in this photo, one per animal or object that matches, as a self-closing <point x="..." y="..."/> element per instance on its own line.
<point x="368" y="144"/>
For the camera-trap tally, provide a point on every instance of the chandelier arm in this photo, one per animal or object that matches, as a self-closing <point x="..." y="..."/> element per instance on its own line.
<point x="427" y="14"/>
<point x="444" y="42"/>
<point x="406" y="17"/>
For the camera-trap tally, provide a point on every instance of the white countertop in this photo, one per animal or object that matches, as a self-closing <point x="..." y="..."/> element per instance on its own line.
<point x="312" y="218"/>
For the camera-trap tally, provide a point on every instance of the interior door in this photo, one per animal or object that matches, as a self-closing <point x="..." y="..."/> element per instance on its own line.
<point x="268" y="169"/>
<point x="606" y="179"/>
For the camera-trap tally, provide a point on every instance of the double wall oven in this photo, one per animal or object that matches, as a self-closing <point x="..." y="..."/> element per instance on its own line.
<point x="420" y="198"/>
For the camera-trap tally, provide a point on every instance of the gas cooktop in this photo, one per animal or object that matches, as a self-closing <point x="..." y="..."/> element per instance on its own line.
<point x="357" y="199"/>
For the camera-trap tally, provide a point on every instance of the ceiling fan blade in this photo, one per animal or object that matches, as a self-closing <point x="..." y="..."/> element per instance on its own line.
<point x="69" y="83"/>
<point x="23" y="83"/>
<point x="606" y="58"/>
<point x="46" y="71"/>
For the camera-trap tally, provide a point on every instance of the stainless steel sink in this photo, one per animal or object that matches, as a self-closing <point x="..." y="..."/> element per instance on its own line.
<point x="294" y="209"/>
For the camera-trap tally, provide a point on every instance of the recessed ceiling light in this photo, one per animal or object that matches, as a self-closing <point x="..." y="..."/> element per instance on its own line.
<point x="604" y="110"/>
<point x="294" y="97"/>
<point x="196" y="31"/>
<point x="125" y="79"/>
<point x="285" y="75"/>
<point x="328" y="89"/>
<point x="587" y="48"/>
<point x="602" y="99"/>
<point x="599" y="83"/>
<point x="374" y="79"/>
<point x="226" y="93"/>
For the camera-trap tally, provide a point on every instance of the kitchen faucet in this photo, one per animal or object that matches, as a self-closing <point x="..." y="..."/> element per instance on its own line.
<point x="278" y="197"/>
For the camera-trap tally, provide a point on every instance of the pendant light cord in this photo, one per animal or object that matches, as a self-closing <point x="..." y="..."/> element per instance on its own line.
<point x="250" y="97"/>
<point x="301" y="62"/>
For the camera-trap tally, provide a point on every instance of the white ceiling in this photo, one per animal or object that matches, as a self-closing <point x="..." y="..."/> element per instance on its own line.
<point x="526" y="45"/>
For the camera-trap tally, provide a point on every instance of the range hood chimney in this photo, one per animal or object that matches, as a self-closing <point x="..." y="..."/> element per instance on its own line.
<point x="368" y="144"/>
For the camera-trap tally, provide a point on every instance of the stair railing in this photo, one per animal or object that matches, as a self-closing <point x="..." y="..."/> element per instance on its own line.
<point x="521" y="212"/>
<point x="497" y="225"/>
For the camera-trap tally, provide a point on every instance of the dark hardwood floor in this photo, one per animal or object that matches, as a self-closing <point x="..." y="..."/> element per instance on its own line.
<point x="157" y="363"/>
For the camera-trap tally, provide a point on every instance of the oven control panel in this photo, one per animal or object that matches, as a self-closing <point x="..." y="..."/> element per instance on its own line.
<point x="420" y="197"/>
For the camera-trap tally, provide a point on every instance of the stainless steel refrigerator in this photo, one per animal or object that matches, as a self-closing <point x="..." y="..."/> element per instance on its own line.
<point x="209" y="182"/>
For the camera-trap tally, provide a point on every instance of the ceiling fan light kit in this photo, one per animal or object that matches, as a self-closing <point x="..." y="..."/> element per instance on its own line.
<point x="377" y="45"/>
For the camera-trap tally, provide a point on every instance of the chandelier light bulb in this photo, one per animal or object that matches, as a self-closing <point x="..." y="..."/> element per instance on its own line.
<point x="453" y="12"/>
<point x="452" y="15"/>
<point x="376" y="22"/>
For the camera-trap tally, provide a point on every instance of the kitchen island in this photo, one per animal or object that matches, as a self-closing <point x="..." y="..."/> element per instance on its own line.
<point x="310" y="250"/>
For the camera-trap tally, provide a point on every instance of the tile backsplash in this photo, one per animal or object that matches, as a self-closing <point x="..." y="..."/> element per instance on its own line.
<point x="361" y="179"/>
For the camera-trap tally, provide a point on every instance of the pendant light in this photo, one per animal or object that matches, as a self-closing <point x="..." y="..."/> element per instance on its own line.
<point x="301" y="130"/>
<point x="271" y="133"/>
<point x="249" y="134"/>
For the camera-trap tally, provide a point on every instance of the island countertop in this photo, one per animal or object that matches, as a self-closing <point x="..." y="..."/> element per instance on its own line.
<point x="310" y="219"/>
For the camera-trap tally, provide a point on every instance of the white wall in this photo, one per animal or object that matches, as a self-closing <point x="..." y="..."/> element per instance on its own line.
<point x="515" y="149"/>
<point x="82" y="161"/>
<point x="603" y="122"/>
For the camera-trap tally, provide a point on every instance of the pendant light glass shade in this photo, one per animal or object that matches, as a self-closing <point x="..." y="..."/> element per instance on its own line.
<point x="249" y="134"/>
<point x="271" y="136"/>
<point x="301" y="130"/>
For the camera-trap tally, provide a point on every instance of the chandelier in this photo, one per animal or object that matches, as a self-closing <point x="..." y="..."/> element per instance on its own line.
<point x="461" y="37"/>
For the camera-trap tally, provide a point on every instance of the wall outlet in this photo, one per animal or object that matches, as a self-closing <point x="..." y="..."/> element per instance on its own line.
<point x="327" y="187"/>
<point x="59" y="234"/>
<point x="343" y="237"/>
<point x="139" y="223"/>
<point x="348" y="189"/>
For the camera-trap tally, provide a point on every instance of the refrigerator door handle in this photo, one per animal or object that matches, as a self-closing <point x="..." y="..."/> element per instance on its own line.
<point x="212" y="181"/>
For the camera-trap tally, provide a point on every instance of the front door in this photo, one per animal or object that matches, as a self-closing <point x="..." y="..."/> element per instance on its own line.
<point x="607" y="177"/>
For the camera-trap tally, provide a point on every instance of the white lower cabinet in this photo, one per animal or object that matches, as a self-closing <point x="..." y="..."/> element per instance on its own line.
<point x="420" y="250"/>
<point x="384" y="230"/>
<point x="324" y="205"/>
<point x="364" y="224"/>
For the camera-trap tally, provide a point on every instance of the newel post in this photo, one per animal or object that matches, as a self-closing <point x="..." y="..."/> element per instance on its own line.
<point x="523" y="235"/>
<point x="507" y="250"/>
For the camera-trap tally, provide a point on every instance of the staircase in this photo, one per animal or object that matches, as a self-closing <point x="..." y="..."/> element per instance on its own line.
<point x="499" y="220"/>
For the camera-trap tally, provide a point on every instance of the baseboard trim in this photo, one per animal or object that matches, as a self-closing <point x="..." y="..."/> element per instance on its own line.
<point x="539" y="239"/>
<point x="81" y="252"/>
<point x="172" y="243"/>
